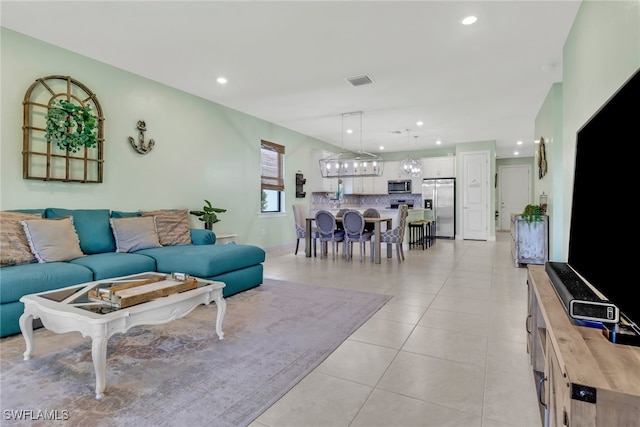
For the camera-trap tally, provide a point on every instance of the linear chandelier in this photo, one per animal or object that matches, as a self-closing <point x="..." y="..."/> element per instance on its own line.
<point x="350" y="164"/>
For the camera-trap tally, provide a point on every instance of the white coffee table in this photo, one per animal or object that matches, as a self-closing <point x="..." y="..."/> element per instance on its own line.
<point x="69" y="309"/>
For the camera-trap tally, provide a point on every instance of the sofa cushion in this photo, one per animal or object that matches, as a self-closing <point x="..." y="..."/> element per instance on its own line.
<point x="135" y="233"/>
<point x="200" y="236"/>
<point x="204" y="260"/>
<point x="173" y="226"/>
<point x="122" y="214"/>
<point x="115" y="264"/>
<point x="92" y="226"/>
<point x="19" y="280"/>
<point x="14" y="247"/>
<point x="52" y="240"/>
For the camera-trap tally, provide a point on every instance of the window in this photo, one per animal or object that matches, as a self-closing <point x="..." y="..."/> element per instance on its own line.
<point x="272" y="176"/>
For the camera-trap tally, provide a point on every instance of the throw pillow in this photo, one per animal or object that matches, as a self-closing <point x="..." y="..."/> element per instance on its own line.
<point x="173" y="226"/>
<point x="52" y="239"/>
<point x="135" y="233"/>
<point x="14" y="247"/>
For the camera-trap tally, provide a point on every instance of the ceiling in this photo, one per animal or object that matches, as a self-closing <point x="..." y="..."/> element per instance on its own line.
<point x="287" y="61"/>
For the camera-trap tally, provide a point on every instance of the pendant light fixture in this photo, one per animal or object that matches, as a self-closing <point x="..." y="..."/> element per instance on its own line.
<point x="411" y="167"/>
<point x="349" y="164"/>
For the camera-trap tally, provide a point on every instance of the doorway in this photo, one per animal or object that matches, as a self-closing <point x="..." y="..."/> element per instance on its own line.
<point x="475" y="195"/>
<point x="514" y="192"/>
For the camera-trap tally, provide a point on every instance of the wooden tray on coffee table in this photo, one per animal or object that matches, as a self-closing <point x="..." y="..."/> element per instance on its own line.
<point x="137" y="290"/>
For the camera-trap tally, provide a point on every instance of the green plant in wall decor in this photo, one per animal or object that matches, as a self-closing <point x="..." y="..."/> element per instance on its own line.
<point x="71" y="126"/>
<point x="532" y="213"/>
<point x="62" y="132"/>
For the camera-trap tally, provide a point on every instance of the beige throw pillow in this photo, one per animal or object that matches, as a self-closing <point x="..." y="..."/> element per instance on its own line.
<point x="135" y="233"/>
<point x="52" y="239"/>
<point x="14" y="247"/>
<point x="172" y="226"/>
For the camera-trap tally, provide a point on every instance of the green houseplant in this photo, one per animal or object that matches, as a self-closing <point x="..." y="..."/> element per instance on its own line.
<point x="71" y="126"/>
<point x="532" y="213"/>
<point x="208" y="214"/>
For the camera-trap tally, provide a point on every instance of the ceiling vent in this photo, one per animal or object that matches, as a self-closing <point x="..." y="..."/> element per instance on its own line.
<point x="359" y="80"/>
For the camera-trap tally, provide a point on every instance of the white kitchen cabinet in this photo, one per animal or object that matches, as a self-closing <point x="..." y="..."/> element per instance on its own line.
<point x="320" y="184"/>
<point x="360" y="185"/>
<point x="390" y="171"/>
<point x="439" y="167"/>
<point x="416" y="185"/>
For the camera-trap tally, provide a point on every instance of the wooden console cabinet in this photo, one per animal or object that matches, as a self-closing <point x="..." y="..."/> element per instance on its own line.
<point x="583" y="379"/>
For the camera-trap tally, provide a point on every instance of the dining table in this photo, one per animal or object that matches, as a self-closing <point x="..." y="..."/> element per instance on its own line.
<point x="377" y="248"/>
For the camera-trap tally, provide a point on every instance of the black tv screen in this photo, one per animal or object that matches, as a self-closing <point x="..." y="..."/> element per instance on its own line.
<point x="604" y="227"/>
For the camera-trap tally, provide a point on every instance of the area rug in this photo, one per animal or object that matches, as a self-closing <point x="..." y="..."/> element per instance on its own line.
<point x="180" y="373"/>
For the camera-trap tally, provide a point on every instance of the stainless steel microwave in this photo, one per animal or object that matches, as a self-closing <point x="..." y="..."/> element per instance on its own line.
<point x="399" y="186"/>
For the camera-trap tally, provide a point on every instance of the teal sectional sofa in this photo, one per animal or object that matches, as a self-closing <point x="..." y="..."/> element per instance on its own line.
<point x="238" y="266"/>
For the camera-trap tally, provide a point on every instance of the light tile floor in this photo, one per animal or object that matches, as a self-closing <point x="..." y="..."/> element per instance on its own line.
<point x="449" y="349"/>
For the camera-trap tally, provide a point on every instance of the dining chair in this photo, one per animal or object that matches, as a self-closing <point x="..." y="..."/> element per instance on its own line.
<point x="340" y="214"/>
<point x="353" y="222"/>
<point x="370" y="213"/>
<point x="327" y="232"/>
<point x="395" y="235"/>
<point x="300" y="217"/>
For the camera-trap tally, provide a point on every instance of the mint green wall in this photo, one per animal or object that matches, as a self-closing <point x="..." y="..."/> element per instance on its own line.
<point x="601" y="52"/>
<point x="548" y="125"/>
<point x="202" y="150"/>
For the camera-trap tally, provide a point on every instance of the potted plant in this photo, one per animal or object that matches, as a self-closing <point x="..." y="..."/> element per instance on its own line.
<point x="532" y="213"/>
<point x="208" y="214"/>
<point x="71" y="126"/>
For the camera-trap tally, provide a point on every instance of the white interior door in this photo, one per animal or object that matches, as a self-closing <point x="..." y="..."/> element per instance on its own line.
<point x="514" y="191"/>
<point x="475" y="195"/>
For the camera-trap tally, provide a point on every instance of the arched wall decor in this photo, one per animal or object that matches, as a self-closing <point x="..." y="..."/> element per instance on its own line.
<point x="46" y="161"/>
<point x="542" y="159"/>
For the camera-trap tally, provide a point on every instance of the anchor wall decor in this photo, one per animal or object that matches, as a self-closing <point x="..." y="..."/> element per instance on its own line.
<point x="142" y="147"/>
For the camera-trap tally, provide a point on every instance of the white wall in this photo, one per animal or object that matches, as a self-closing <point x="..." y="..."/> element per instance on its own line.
<point x="202" y="150"/>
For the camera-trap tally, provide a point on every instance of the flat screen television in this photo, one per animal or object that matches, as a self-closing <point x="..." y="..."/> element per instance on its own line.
<point x="603" y="233"/>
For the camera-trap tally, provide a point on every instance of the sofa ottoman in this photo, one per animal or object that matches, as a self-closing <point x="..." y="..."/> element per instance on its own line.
<point x="238" y="266"/>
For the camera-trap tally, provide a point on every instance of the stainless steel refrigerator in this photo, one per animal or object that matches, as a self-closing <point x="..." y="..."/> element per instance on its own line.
<point x="439" y="195"/>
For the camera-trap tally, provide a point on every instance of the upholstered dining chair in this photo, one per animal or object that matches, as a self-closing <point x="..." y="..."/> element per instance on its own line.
<point x="327" y="232"/>
<point x="396" y="234"/>
<point x="353" y="222"/>
<point x="370" y="213"/>
<point x="340" y="214"/>
<point x="300" y="217"/>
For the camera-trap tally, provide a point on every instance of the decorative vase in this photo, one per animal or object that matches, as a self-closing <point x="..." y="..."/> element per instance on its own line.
<point x="208" y="226"/>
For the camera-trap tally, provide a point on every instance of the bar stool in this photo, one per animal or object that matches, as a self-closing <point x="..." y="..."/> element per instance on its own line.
<point x="417" y="234"/>
<point x="432" y="232"/>
<point x="428" y="233"/>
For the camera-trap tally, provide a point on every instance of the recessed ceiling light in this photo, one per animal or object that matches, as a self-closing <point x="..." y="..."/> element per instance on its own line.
<point x="468" y="20"/>
<point x="221" y="80"/>
<point x="419" y="123"/>
<point x="382" y="147"/>
<point x="349" y="130"/>
<point x="438" y="142"/>
<point x="516" y="153"/>
<point x="519" y="142"/>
